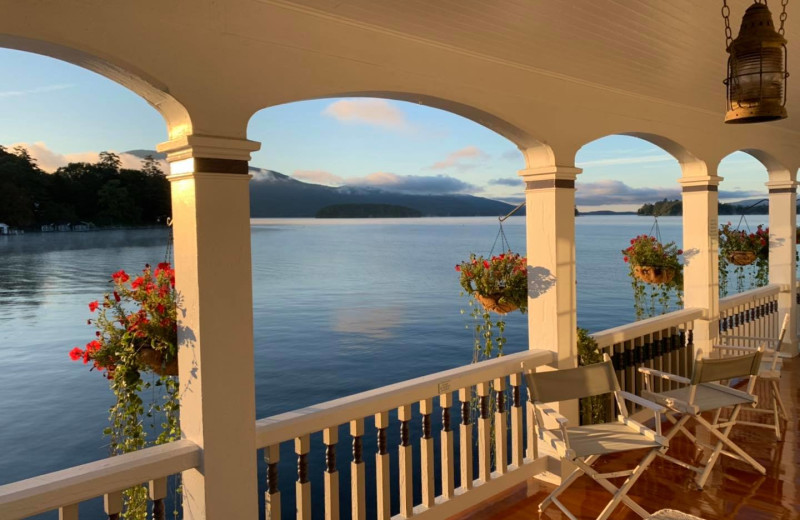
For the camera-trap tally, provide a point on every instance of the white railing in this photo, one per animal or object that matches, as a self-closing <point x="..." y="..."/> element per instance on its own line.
<point x="65" y="489"/>
<point x="662" y="342"/>
<point x="751" y="313"/>
<point x="484" y="384"/>
<point x="450" y="478"/>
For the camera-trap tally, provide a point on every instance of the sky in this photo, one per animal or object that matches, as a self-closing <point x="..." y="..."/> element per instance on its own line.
<point x="62" y="113"/>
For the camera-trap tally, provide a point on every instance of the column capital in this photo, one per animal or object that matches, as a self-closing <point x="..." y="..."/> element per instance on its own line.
<point x="550" y="177"/>
<point x="782" y="186"/>
<point x="208" y="147"/>
<point x="709" y="182"/>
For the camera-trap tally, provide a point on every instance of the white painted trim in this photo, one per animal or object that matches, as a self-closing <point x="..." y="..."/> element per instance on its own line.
<point x="74" y="485"/>
<point x="748" y="296"/>
<point x="287" y="426"/>
<point x="638" y="329"/>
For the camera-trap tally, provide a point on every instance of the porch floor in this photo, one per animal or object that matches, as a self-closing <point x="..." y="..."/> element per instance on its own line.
<point x="734" y="491"/>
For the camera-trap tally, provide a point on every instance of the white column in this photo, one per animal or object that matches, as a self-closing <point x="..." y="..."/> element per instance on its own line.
<point x="550" y="241"/>
<point x="211" y="224"/>
<point x="701" y="255"/>
<point x="782" y="268"/>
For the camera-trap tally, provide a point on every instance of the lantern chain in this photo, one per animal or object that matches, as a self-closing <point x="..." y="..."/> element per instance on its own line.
<point x="783" y="16"/>
<point x="726" y="13"/>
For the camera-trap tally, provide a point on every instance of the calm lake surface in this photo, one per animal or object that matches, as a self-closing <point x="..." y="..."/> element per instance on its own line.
<point x="339" y="307"/>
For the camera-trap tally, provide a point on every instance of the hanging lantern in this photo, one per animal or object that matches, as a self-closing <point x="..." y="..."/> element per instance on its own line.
<point x="756" y="82"/>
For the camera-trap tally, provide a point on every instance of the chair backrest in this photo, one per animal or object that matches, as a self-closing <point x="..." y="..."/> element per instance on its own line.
<point x="708" y="370"/>
<point x="572" y="383"/>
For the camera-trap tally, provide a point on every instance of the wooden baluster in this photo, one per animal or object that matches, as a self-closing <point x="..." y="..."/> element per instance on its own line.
<point x="517" y="448"/>
<point x="674" y="349"/>
<point x="466" y="439"/>
<point x="272" y="498"/>
<point x="157" y="491"/>
<point x="665" y="356"/>
<point x="112" y="505"/>
<point x="382" y="467"/>
<point x="426" y="454"/>
<point x="640" y="361"/>
<point x="619" y="361"/>
<point x="330" y="436"/>
<point x="448" y="464"/>
<point x="531" y="446"/>
<point x="405" y="463"/>
<point x="302" y="445"/>
<point x="69" y="512"/>
<point x="655" y="345"/>
<point x="358" y="476"/>
<point x="484" y="434"/>
<point x="630" y="366"/>
<point x="683" y="366"/>
<point x="501" y="427"/>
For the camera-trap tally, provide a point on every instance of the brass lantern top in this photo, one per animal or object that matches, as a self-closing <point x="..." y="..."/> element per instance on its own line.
<point x="756" y="70"/>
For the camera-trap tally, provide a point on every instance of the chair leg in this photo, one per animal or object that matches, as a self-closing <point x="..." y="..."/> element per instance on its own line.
<point x="621" y="493"/>
<point x="777" y="396"/>
<point x="565" y="483"/>
<point x="776" y="417"/>
<point x="723" y="439"/>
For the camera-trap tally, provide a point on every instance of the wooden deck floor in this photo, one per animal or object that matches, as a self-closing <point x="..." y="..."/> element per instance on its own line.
<point x="734" y="491"/>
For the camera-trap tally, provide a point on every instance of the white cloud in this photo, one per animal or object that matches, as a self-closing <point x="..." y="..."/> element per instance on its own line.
<point x="318" y="177"/>
<point x="32" y="91"/>
<point x="462" y="159"/>
<point x="412" y="183"/>
<point x="367" y="111"/>
<point x="50" y="160"/>
<point x="432" y="184"/>
<point x="610" y="192"/>
<point x="615" y="161"/>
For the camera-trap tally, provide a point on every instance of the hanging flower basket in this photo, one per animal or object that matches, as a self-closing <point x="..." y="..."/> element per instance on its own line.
<point x="492" y="303"/>
<point x="741" y="257"/>
<point x="499" y="284"/>
<point x="654" y="274"/>
<point x="155" y="361"/>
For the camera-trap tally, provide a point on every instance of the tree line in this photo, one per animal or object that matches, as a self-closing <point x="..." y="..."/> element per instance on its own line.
<point x="670" y="208"/>
<point x="102" y="193"/>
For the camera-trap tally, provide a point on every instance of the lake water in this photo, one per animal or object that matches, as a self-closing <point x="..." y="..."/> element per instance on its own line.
<point x="339" y="307"/>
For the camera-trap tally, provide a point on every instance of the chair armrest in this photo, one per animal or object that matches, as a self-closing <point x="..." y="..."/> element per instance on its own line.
<point x="549" y="412"/>
<point x="664" y="375"/>
<point x="641" y="401"/>
<point x="682" y="406"/>
<point x="737" y="348"/>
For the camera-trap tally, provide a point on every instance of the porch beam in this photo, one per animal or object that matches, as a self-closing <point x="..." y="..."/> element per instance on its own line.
<point x="782" y="248"/>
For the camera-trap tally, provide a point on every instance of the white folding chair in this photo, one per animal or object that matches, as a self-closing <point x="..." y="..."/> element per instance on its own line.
<point x="769" y="373"/>
<point x="584" y="445"/>
<point x="704" y="393"/>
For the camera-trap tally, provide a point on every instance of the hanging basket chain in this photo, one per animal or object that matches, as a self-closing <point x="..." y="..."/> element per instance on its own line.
<point x="783" y="16"/>
<point x="170" y="239"/>
<point x="726" y="14"/>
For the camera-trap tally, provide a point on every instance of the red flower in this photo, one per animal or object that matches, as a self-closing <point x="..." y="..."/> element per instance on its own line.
<point x="160" y="308"/>
<point x="120" y="276"/>
<point x="93" y="305"/>
<point x="164" y="266"/>
<point x="116" y="296"/>
<point x="85" y="357"/>
<point x="75" y="354"/>
<point x="137" y="282"/>
<point x="486" y="264"/>
<point x="93" y="346"/>
<point x="625" y="258"/>
<point x="458" y="268"/>
<point x="680" y="251"/>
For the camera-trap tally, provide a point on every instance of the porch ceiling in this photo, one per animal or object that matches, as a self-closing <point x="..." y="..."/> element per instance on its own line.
<point x="673" y="50"/>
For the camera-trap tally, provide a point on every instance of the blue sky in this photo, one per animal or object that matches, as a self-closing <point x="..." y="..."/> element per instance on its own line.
<point x="61" y="112"/>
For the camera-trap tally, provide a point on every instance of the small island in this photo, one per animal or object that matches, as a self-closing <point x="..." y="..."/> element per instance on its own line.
<point x="367" y="211"/>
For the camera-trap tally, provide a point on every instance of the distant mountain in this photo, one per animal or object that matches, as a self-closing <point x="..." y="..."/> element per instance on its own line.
<point x="274" y="194"/>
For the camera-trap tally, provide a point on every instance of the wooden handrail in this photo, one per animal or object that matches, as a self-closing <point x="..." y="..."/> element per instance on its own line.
<point x="73" y="485"/>
<point x="637" y="329"/>
<point x="748" y="296"/>
<point x="289" y="425"/>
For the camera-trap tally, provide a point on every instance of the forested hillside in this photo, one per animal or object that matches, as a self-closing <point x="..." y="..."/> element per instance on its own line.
<point x="102" y="193"/>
